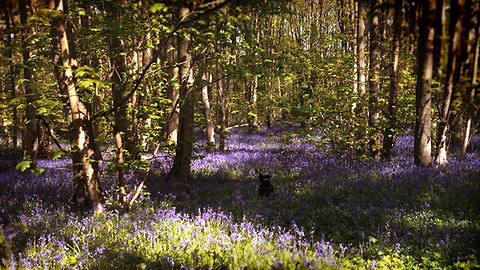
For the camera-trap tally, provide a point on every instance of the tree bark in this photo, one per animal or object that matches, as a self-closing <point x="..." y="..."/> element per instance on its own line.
<point x="252" y="117"/>
<point x="423" y="103"/>
<point x="121" y="134"/>
<point x="374" y="81"/>
<point x="183" y="151"/>
<point x="471" y="96"/>
<point x="361" y="49"/>
<point x="222" y="95"/>
<point x="206" y="78"/>
<point x="30" y="138"/>
<point x="389" y="136"/>
<point x="453" y="70"/>
<point x="9" y="23"/>
<point x="44" y="142"/>
<point x="438" y="48"/>
<point x="144" y="117"/>
<point x="85" y="167"/>
<point x="172" y="94"/>
<point x="133" y="142"/>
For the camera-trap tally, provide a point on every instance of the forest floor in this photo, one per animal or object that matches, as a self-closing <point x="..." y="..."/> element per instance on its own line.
<point x="329" y="210"/>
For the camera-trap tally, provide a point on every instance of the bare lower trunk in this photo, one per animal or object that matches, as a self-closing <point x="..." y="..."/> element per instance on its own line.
<point x="252" y="117"/>
<point x="120" y="168"/>
<point x="208" y="113"/>
<point x="223" y="111"/>
<point x="86" y="175"/>
<point x="389" y="136"/>
<point x="44" y="142"/>
<point x="468" y="125"/>
<point x="453" y="65"/>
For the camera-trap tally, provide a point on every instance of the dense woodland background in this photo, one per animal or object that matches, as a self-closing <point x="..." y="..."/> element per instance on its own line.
<point x="116" y="82"/>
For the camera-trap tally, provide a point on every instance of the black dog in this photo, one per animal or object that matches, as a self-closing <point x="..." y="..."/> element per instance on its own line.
<point x="266" y="187"/>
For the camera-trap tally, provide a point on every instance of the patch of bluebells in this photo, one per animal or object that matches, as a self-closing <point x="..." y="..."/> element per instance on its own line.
<point x="356" y="212"/>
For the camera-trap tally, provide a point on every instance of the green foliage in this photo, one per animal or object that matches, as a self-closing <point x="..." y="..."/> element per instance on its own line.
<point x="22" y="166"/>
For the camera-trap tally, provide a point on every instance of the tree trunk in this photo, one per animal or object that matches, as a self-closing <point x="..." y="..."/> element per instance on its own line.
<point x="222" y="95"/>
<point x="133" y="138"/>
<point x="361" y="48"/>
<point x="118" y="62"/>
<point x="374" y="81"/>
<point x="144" y="117"/>
<point x="252" y="117"/>
<point x="183" y="151"/>
<point x="85" y="167"/>
<point x="389" y="136"/>
<point x="453" y="69"/>
<point x="30" y="138"/>
<point x="438" y="48"/>
<point x="206" y="78"/>
<point x="172" y="94"/>
<point x="9" y="23"/>
<point x="44" y="142"/>
<point x="413" y="15"/>
<point x="471" y="97"/>
<point x="423" y="104"/>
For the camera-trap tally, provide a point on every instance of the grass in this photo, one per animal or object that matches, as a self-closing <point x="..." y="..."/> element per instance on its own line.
<point x="328" y="211"/>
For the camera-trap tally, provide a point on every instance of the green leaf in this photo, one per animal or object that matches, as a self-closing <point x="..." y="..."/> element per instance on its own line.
<point x="81" y="12"/>
<point x="158" y="7"/>
<point x="22" y="166"/>
<point x="15" y="100"/>
<point x="37" y="171"/>
<point x="58" y="155"/>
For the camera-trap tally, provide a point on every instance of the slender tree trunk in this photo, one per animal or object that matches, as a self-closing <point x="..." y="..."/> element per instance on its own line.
<point x="423" y="107"/>
<point x="172" y="94"/>
<point x="414" y="14"/>
<point x="374" y="81"/>
<point x="471" y="97"/>
<point x="30" y="138"/>
<point x="223" y="110"/>
<point x="121" y="133"/>
<point x="44" y="143"/>
<point x="252" y="117"/>
<point x="208" y="113"/>
<point x="251" y="91"/>
<point x="453" y="69"/>
<point x="133" y="138"/>
<point x="358" y="109"/>
<point x="183" y="150"/>
<point x="86" y="170"/>
<point x="145" y="119"/>
<point x="361" y="49"/>
<point x="10" y="22"/>
<point x="438" y="48"/>
<point x="389" y="136"/>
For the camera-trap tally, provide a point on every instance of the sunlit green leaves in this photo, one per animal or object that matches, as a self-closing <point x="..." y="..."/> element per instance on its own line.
<point x="158" y="7"/>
